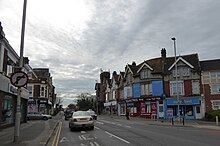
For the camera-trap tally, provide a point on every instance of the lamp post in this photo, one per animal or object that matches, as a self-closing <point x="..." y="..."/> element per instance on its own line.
<point x="18" y="107"/>
<point x="177" y="93"/>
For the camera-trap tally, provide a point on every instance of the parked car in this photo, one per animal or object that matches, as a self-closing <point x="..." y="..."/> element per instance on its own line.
<point x="38" y="116"/>
<point x="93" y="114"/>
<point x="68" y="113"/>
<point x="81" y="119"/>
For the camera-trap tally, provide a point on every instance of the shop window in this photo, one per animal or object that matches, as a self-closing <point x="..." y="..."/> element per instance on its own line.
<point x="7" y="110"/>
<point x="189" y="110"/>
<point x="148" y="107"/>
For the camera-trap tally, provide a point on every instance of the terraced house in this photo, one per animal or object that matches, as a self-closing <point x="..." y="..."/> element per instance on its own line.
<point x="156" y="88"/>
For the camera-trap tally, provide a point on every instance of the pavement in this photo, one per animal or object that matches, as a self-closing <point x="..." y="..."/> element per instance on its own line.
<point x="39" y="132"/>
<point x="32" y="133"/>
<point x="168" y="122"/>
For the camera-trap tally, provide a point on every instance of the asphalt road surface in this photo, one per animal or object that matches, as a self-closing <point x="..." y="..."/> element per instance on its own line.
<point x="122" y="132"/>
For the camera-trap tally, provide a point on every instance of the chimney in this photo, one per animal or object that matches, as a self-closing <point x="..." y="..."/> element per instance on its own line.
<point x="163" y="53"/>
<point x="133" y="63"/>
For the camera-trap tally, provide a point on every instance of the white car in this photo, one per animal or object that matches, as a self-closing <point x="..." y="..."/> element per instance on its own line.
<point x="81" y="119"/>
<point x="38" y="116"/>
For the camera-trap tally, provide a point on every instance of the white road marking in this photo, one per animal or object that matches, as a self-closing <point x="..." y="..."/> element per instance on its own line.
<point x="82" y="144"/>
<point x="80" y="138"/>
<point x="92" y="144"/>
<point x="100" y="123"/>
<point x="83" y="137"/>
<point x="117" y="137"/>
<point x="128" y="126"/>
<point x="97" y="128"/>
<point x="83" y="131"/>
<point x="96" y="144"/>
<point x="64" y="139"/>
<point x="119" y="124"/>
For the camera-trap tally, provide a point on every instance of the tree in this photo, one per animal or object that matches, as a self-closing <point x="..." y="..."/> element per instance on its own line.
<point x="85" y="102"/>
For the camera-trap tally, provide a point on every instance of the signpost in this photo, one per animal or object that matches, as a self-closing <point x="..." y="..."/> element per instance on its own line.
<point x="19" y="79"/>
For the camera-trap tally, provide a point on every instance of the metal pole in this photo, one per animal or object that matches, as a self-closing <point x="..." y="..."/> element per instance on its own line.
<point x="18" y="108"/>
<point x="177" y="93"/>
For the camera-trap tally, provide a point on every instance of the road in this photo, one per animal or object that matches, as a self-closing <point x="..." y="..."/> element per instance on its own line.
<point x="115" y="132"/>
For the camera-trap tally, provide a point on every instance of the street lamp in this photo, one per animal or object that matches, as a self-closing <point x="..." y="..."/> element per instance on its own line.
<point x="18" y="108"/>
<point x="177" y="93"/>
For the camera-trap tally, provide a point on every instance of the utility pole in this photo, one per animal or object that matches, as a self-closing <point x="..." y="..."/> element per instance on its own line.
<point x="177" y="92"/>
<point x="18" y="108"/>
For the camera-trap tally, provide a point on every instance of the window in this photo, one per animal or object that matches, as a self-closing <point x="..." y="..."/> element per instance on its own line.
<point x="148" y="107"/>
<point x="173" y="90"/>
<point x="186" y="72"/>
<point x="129" y="91"/>
<point x="195" y="87"/>
<point x="146" y="89"/>
<point x="145" y="73"/>
<point x="215" y="77"/>
<point x="198" y="109"/>
<point x="30" y="90"/>
<point x="9" y="70"/>
<point x="215" y="89"/>
<point x="174" y="73"/>
<point x="215" y="104"/>
<point x="42" y="92"/>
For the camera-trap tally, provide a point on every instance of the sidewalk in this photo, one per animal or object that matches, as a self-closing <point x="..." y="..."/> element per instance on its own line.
<point x="168" y="122"/>
<point x="32" y="133"/>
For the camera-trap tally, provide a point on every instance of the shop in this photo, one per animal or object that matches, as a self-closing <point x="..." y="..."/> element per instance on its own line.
<point x="189" y="107"/>
<point x="110" y="107"/>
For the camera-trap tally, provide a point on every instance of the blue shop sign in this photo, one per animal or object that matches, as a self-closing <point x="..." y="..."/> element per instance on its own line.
<point x="184" y="101"/>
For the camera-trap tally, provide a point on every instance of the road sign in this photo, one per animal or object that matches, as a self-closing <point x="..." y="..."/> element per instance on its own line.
<point x="19" y="79"/>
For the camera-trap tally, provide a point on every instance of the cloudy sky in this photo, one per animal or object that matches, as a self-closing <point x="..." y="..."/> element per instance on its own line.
<point x="75" y="38"/>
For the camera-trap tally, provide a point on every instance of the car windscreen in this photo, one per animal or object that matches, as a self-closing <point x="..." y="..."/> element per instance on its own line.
<point x="80" y="113"/>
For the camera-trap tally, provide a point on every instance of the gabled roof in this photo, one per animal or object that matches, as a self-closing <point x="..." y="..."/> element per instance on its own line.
<point x="155" y="65"/>
<point x="132" y="68"/>
<point x="121" y="76"/>
<point x="183" y="60"/>
<point x="192" y="60"/>
<point x="208" y="65"/>
<point x="144" y="64"/>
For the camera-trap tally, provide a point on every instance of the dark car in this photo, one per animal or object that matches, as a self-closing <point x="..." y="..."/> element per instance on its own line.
<point x="93" y="114"/>
<point x="68" y="113"/>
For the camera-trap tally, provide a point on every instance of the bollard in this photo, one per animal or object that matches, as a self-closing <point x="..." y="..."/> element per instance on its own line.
<point x="183" y="122"/>
<point x="172" y="123"/>
<point x="216" y="120"/>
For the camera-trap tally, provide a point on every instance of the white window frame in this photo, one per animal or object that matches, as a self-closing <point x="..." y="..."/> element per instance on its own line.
<point x="146" y="89"/>
<point x="42" y="91"/>
<point x="215" y="104"/>
<point x="145" y="73"/>
<point x="30" y="90"/>
<point x="215" y="77"/>
<point x="215" y="88"/>
<point x="186" y="72"/>
<point x="174" y="72"/>
<point x="195" y="87"/>
<point x="180" y="87"/>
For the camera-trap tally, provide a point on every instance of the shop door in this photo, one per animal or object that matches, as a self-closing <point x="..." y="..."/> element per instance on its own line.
<point x="198" y="112"/>
<point x="161" y="112"/>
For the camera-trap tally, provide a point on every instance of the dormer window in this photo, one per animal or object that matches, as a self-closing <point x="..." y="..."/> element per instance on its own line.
<point x="145" y="73"/>
<point x="186" y="72"/>
<point x="174" y="73"/>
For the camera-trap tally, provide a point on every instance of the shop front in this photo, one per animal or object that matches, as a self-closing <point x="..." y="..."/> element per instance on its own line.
<point x="188" y="107"/>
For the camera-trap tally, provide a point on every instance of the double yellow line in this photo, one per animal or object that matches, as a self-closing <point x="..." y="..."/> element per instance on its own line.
<point x="57" y="135"/>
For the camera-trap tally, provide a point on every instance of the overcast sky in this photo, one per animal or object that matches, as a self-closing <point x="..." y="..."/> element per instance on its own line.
<point x="75" y="38"/>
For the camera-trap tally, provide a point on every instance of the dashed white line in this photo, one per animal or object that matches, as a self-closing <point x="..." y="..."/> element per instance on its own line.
<point x="117" y="137"/>
<point x="100" y="123"/>
<point x="96" y="144"/>
<point x="97" y="128"/>
<point x="80" y="138"/>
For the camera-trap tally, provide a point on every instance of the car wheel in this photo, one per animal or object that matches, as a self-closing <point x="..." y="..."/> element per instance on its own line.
<point x="45" y="118"/>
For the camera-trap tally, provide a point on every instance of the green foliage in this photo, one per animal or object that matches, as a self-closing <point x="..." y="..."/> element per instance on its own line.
<point x="85" y="104"/>
<point x="211" y="116"/>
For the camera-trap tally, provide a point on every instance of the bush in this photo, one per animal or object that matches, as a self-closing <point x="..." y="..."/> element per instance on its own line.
<point x="210" y="116"/>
